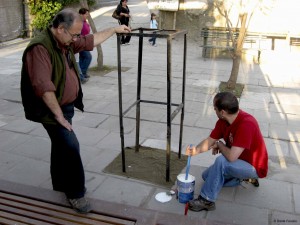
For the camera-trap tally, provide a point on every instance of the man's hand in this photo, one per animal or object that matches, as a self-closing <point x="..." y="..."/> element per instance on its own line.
<point x="190" y="150"/>
<point x="215" y="148"/>
<point x="65" y="123"/>
<point x="101" y="36"/>
<point x="50" y="100"/>
<point x="122" y="29"/>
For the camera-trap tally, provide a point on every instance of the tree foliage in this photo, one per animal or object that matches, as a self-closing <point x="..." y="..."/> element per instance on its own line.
<point x="44" y="10"/>
<point x="43" y="13"/>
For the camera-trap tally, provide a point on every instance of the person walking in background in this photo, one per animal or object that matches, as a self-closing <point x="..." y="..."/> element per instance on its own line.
<point x="85" y="57"/>
<point x="83" y="79"/>
<point x="243" y="156"/>
<point x="123" y="11"/>
<point x="153" y="25"/>
<point x="51" y="88"/>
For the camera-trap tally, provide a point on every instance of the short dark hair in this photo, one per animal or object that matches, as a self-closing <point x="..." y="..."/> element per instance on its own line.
<point x="226" y="101"/>
<point x="66" y="17"/>
<point x="83" y="11"/>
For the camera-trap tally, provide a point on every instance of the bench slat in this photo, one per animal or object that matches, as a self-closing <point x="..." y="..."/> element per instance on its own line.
<point x="52" y="213"/>
<point x="10" y="221"/>
<point x="12" y="218"/>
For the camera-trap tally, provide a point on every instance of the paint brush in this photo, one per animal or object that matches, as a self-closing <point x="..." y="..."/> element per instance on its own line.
<point x="188" y="166"/>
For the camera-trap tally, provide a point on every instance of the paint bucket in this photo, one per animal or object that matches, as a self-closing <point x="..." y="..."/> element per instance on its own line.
<point x="185" y="188"/>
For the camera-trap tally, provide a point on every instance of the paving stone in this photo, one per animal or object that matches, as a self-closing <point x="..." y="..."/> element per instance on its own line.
<point x="91" y="120"/>
<point x="295" y="151"/>
<point x="99" y="162"/>
<point x="280" y="198"/>
<point x="296" y="194"/>
<point x="20" y="126"/>
<point x="243" y="214"/>
<point x="112" y="124"/>
<point x="38" y="148"/>
<point x="29" y="171"/>
<point x="120" y="190"/>
<point x="284" y="132"/>
<point x="9" y="140"/>
<point x="288" y="173"/>
<point x="89" y="136"/>
<point x="9" y="160"/>
<point x="280" y="218"/>
<point x="277" y="148"/>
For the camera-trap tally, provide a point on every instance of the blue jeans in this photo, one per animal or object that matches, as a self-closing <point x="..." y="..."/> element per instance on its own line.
<point x="85" y="58"/>
<point x="224" y="174"/>
<point x="153" y="39"/>
<point x="80" y="73"/>
<point x="66" y="167"/>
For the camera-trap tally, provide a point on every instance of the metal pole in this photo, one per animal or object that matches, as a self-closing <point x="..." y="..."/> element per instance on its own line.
<point x="183" y="97"/>
<point x="138" y="93"/>
<point x="120" y="103"/>
<point x="169" y="104"/>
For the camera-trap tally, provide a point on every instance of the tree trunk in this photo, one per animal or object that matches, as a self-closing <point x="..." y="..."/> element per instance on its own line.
<point x="234" y="72"/>
<point x="84" y="4"/>
<point x="237" y="55"/>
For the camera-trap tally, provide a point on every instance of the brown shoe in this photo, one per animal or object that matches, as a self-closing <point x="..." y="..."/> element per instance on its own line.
<point x="200" y="204"/>
<point x="80" y="205"/>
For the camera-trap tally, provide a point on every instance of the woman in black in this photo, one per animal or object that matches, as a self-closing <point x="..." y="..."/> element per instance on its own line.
<point x="123" y="11"/>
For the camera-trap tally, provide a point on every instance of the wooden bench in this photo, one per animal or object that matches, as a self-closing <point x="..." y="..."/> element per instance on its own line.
<point x="21" y="210"/>
<point x="215" y="39"/>
<point x="219" y="38"/>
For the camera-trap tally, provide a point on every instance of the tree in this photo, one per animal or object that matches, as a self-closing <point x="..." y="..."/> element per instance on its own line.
<point x="245" y="10"/>
<point x="84" y="4"/>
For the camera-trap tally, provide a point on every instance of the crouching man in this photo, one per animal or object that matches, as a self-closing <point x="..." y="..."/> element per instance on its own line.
<point x="243" y="154"/>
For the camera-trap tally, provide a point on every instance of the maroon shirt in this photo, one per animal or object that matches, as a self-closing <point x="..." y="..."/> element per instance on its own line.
<point x="39" y="68"/>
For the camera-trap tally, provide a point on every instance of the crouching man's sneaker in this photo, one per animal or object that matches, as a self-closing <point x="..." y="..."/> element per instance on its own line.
<point x="200" y="203"/>
<point x="80" y="205"/>
<point x="253" y="181"/>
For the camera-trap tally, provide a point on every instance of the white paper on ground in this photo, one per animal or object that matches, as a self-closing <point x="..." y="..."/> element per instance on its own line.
<point x="163" y="197"/>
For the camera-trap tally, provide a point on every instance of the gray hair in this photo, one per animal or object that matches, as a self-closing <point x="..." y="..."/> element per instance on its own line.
<point x="65" y="17"/>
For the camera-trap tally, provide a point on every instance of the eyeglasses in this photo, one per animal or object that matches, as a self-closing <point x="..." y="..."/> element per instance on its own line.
<point x="73" y="35"/>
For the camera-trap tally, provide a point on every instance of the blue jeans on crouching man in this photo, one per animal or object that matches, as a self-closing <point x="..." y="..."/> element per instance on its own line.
<point x="66" y="168"/>
<point x="224" y="174"/>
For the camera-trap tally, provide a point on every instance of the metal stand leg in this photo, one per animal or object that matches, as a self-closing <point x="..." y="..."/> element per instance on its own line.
<point x="183" y="97"/>
<point x="120" y="103"/>
<point x="138" y="94"/>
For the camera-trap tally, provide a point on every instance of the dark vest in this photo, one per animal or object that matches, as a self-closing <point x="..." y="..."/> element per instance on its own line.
<point x="34" y="107"/>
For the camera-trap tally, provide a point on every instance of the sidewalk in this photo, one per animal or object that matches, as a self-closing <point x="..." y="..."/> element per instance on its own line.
<point x="271" y="94"/>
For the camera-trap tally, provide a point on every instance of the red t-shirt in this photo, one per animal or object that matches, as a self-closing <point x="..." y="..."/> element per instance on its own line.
<point x="244" y="132"/>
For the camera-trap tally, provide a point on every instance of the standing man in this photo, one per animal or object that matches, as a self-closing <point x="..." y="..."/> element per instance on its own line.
<point x="50" y="89"/>
<point x="243" y="153"/>
<point x="85" y="57"/>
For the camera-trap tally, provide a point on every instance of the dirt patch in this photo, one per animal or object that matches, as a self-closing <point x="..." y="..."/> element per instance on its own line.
<point x="149" y="164"/>
<point x="237" y="91"/>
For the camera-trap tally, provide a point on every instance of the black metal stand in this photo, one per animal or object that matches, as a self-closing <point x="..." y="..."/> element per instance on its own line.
<point x="169" y="35"/>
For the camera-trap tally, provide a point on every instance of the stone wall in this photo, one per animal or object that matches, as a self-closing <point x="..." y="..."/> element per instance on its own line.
<point x="12" y="21"/>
